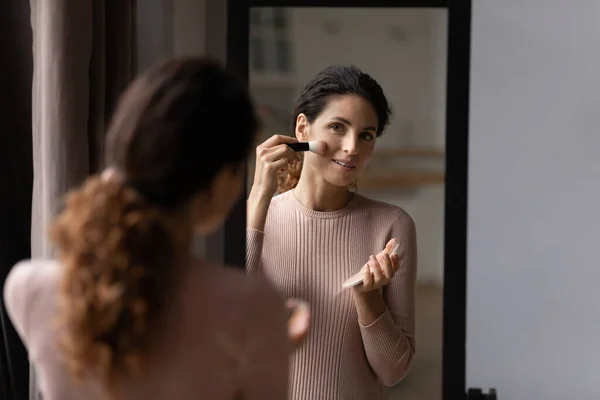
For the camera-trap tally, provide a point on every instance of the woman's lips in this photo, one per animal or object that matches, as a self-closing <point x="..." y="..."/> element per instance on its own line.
<point x="346" y="166"/>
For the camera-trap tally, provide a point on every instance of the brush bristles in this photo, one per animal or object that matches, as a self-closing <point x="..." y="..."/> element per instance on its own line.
<point x="318" y="147"/>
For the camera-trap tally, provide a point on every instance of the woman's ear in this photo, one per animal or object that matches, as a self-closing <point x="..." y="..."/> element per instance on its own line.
<point x="302" y="128"/>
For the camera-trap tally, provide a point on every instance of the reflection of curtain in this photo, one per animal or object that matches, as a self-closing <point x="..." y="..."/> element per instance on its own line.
<point x="83" y="58"/>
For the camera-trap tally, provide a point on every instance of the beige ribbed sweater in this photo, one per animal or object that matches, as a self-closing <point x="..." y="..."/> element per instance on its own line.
<point x="226" y="338"/>
<point x="309" y="254"/>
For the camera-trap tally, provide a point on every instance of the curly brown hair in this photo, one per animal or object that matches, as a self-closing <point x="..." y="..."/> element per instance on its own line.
<point x="334" y="81"/>
<point x="113" y="281"/>
<point x="123" y="241"/>
<point x="288" y="178"/>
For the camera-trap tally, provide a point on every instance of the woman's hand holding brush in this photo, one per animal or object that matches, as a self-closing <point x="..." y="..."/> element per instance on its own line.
<point x="272" y="155"/>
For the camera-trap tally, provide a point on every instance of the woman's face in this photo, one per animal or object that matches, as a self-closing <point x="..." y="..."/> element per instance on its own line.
<point x="348" y="125"/>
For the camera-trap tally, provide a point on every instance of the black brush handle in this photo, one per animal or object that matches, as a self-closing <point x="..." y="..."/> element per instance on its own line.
<point x="300" y="146"/>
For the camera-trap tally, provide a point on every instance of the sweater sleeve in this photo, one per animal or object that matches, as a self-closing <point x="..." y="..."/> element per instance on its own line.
<point x="24" y="292"/>
<point x="254" y="246"/>
<point x="16" y="299"/>
<point x="389" y="341"/>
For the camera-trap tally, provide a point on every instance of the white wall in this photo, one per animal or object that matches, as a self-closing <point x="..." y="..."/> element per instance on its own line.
<point x="534" y="193"/>
<point x="411" y="69"/>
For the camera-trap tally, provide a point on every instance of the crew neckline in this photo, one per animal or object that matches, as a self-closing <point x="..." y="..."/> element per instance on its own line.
<point x="297" y="204"/>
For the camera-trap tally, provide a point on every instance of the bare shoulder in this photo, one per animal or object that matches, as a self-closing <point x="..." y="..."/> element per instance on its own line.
<point x="27" y="291"/>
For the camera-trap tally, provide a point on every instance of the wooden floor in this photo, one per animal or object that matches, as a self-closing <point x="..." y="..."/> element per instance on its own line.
<point x="424" y="382"/>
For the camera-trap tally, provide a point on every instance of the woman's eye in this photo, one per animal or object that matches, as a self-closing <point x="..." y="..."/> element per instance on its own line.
<point x="336" y="127"/>
<point x="368" y="136"/>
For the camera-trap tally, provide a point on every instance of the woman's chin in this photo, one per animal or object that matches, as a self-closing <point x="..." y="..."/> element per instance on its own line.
<point x="342" y="183"/>
<point x="339" y="178"/>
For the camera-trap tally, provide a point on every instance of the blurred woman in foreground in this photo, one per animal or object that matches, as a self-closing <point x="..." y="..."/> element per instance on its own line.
<point x="126" y="311"/>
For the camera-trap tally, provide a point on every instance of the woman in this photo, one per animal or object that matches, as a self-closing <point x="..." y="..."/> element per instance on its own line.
<point x="127" y="311"/>
<point x="317" y="233"/>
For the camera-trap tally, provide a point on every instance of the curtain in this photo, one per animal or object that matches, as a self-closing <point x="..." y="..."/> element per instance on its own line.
<point x="83" y="58"/>
<point x="16" y="177"/>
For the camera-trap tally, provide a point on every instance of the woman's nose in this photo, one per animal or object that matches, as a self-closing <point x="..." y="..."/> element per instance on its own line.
<point x="350" y="145"/>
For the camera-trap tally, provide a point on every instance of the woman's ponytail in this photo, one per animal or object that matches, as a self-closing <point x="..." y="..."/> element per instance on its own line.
<point x="117" y="251"/>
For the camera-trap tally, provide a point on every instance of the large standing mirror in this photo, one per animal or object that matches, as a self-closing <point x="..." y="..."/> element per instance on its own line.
<point x="417" y="166"/>
<point x="405" y="51"/>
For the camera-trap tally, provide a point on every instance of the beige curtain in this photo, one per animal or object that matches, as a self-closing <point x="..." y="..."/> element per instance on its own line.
<point x="83" y="56"/>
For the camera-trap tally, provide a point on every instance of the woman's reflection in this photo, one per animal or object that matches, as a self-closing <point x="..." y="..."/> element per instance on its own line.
<point x="317" y="232"/>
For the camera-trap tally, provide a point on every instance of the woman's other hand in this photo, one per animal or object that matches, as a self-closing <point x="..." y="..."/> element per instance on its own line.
<point x="380" y="269"/>
<point x="299" y="320"/>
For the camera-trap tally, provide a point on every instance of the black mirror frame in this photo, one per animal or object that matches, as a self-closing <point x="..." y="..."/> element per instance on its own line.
<point x="457" y="155"/>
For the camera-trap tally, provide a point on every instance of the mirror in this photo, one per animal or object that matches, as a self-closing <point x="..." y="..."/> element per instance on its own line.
<point x="405" y="51"/>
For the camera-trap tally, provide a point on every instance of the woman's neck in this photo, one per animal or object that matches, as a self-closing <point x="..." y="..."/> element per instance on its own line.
<point x="317" y="194"/>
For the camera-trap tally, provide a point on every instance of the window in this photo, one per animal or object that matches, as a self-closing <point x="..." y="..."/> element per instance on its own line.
<point x="270" y="42"/>
<point x="271" y="71"/>
<point x="257" y="59"/>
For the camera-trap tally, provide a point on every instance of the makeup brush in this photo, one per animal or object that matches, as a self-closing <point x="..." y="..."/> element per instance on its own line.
<point x="315" y="146"/>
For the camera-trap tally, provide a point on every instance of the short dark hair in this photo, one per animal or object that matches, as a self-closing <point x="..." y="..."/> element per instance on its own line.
<point x="334" y="81"/>
<point x="342" y="80"/>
